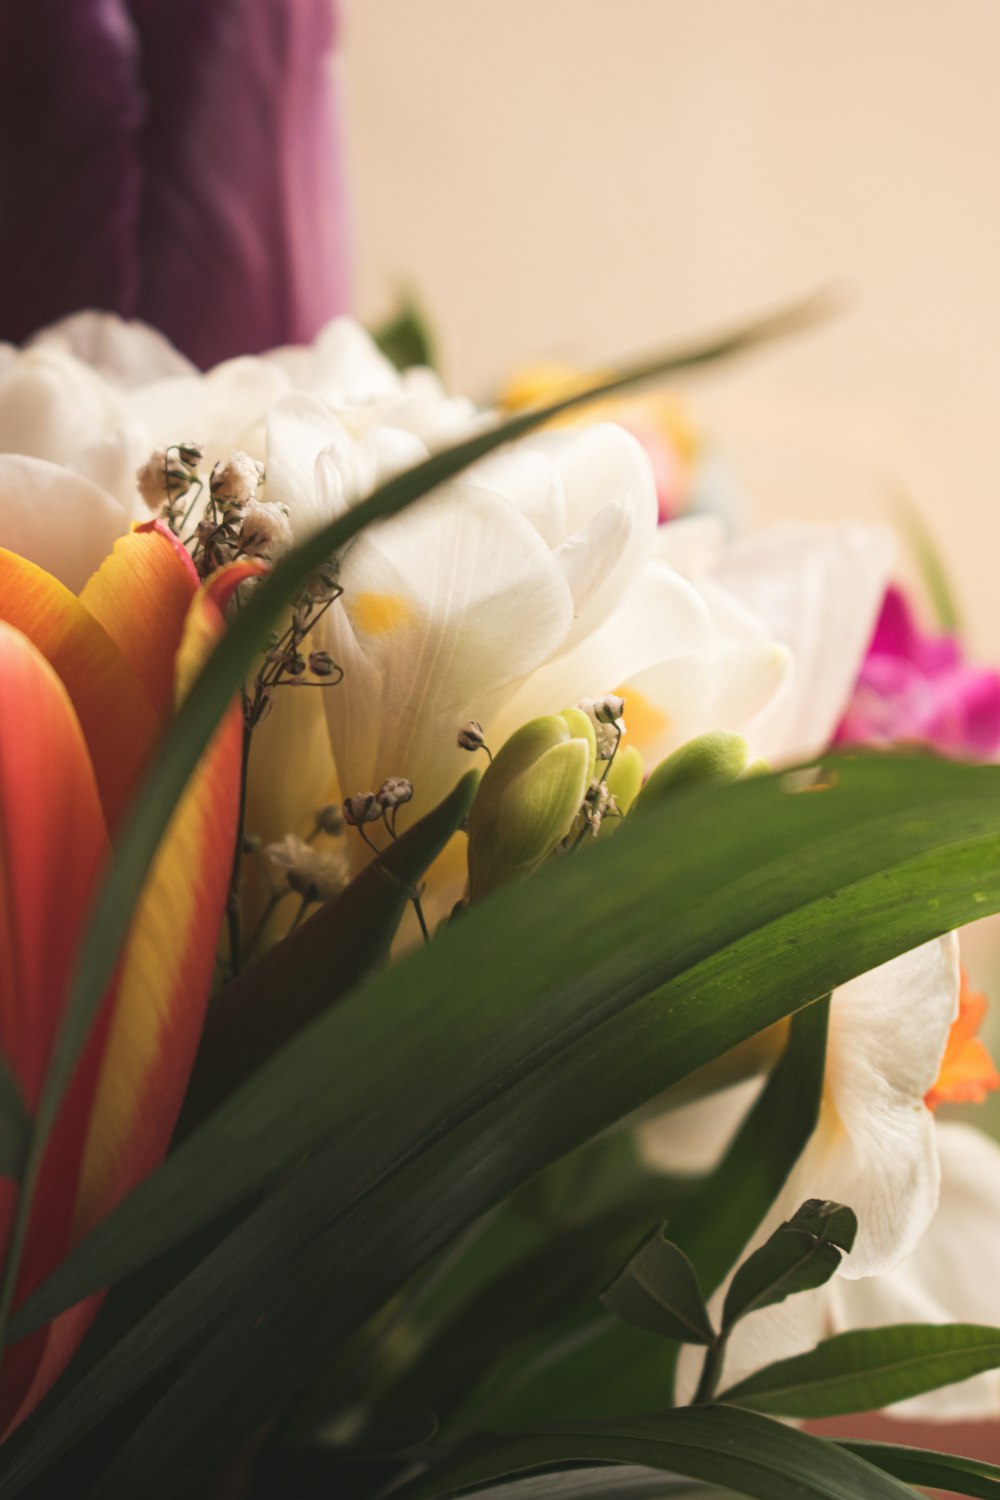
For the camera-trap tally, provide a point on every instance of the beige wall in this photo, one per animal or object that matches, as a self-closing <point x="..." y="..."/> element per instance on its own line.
<point x="592" y="177"/>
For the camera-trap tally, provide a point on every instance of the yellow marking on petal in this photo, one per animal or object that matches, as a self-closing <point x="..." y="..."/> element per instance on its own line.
<point x="379" y="614"/>
<point x="644" y="722"/>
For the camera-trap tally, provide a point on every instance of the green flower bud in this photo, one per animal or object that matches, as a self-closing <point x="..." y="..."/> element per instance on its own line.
<point x="624" y="782"/>
<point x="528" y="799"/>
<point x="715" y="759"/>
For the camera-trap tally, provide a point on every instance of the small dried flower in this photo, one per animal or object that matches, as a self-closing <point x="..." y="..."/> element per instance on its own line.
<point x="330" y="819"/>
<point x="322" y="664"/>
<point x="266" y="531"/>
<point x="234" y="480"/>
<point x="163" y="478"/>
<point x="363" y="807"/>
<point x="471" y="736"/>
<point x="190" y="454"/>
<point x="394" y="791"/>
<point x="609" y="709"/>
<point x="319" y="874"/>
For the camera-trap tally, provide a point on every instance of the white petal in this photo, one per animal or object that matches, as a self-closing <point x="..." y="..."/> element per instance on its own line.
<point x="299" y="428"/>
<point x="529" y="482"/>
<point x="874" y="1147"/>
<point x="111" y="463"/>
<point x="56" y="518"/>
<point x="951" y="1276"/>
<point x="224" y="410"/>
<point x="691" y="544"/>
<point x="818" y="589"/>
<point x="52" y="406"/>
<point x="127" y="353"/>
<point x="445" y="608"/>
<point x="611" y="515"/>
<point x="692" y="1138"/>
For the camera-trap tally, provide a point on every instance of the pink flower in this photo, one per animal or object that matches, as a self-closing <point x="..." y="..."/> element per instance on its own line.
<point x="914" y="687"/>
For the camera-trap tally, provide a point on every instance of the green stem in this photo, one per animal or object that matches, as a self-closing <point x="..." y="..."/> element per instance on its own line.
<point x="711" y="1370"/>
<point x="233" y="899"/>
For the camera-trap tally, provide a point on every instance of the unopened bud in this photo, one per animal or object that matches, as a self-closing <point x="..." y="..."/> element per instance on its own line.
<point x="471" y="736"/>
<point x="322" y="664"/>
<point x="362" y="807"/>
<point x="330" y="819"/>
<point x="394" y="791"/>
<point x="294" y="664"/>
<point x="609" y="709"/>
<point x="190" y="454"/>
<point x="251" y="843"/>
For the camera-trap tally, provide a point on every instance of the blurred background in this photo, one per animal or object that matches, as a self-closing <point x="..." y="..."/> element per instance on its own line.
<point x="587" y="179"/>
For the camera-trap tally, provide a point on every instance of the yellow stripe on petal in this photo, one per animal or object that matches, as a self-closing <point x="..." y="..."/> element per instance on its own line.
<point x="115" y="711"/>
<point x="141" y="595"/>
<point x="167" y="967"/>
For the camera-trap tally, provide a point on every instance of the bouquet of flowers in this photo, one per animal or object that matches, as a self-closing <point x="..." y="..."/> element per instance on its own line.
<point x="478" y="970"/>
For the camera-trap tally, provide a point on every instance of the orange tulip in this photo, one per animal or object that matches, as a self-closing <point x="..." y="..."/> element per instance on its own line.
<point x="87" y="686"/>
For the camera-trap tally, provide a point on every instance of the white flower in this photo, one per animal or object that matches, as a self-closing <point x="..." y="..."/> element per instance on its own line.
<point x="875" y="1146"/>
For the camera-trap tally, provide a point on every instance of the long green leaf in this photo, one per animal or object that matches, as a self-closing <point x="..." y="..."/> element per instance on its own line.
<point x="228" y="667"/>
<point x="344" y="942"/>
<point x="603" y="1482"/>
<point x="603" y="1360"/>
<point x="756" y="1458"/>
<point x="526" y="1101"/>
<point x="869" y="1368"/>
<point x="940" y="1471"/>
<point x="14" y="1127"/>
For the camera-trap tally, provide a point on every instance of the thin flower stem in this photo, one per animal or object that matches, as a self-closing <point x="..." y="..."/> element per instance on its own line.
<point x="415" y="898"/>
<point x="307" y="901"/>
<point x="265" y="917"/>
<point x="233" y="899"/>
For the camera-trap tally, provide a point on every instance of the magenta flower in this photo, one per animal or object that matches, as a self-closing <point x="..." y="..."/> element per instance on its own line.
<point x="915" y="688"/>
<point x="172" y="160"/>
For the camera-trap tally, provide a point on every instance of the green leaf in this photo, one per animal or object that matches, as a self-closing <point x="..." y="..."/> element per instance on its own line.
<point x="869" y="1368"/>
<point x="940" y="1471"/>
<point x="604" y="1361"/>
<point x="801" y="1254"/>
<point x="602" y="1482"/>
<point x="760" y="1156"/>
<point x="757" y="1458"/>
<point x="406" y="338"/>
<point x="343" y="943"/>
<point x="448" y="1080"/>
<point x="229" y="665"/>
<point x="15" y="1129"/>
<point x="658" y="1290"/>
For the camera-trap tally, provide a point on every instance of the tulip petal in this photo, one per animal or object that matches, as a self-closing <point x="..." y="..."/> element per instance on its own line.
<point x="116" y="715"/>
<point x="57" y="519"/>
<point x="53" y="842"/>
<point x="124" y="352"/>
<point x="166" y="970"/>
<point x="141" y="595"/>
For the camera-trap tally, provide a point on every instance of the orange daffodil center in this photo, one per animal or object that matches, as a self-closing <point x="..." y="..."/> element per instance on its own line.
<point x="87" y="686"/>
<point x="967" y="1072"/>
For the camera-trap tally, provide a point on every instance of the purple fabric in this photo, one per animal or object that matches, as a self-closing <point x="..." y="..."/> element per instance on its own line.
<point x="915" y="688"/>
<point x="174" y="160"/>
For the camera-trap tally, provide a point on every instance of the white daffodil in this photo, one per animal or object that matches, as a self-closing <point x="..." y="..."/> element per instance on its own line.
<point x="895" y="1039"/>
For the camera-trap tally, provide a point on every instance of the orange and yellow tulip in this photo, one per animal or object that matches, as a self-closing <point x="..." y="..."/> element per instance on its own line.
<point x="87" y="686"/>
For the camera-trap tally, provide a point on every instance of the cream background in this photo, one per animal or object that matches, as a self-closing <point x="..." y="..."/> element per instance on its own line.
<point x="592" y="178"/>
